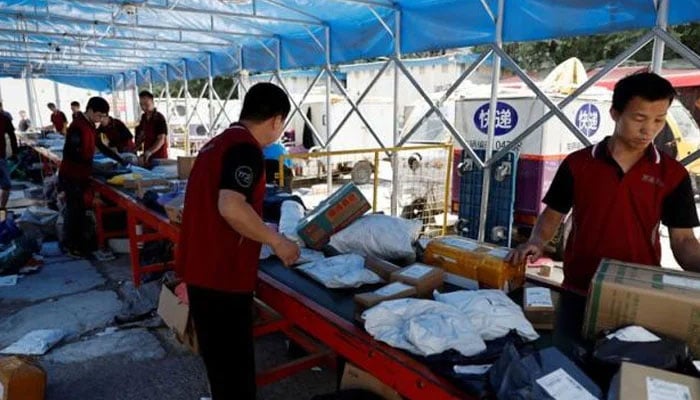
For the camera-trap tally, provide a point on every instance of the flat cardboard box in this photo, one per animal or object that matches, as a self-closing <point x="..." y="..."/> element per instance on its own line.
<point x="661" y="300"/>
<point x="339" y="210"/>
<point x="184" y="166"/>
<point x="356" y="378"/>
<point x="394" y="290"/>
<point x="381" y="267"/>
<point x="423" y="277"/>
<point x="176" y="315"/>
<point x="174" y="208"/>
<point x="539" y="305"/>
<point x="638" y="382"/>
<point x="21" y="379"/>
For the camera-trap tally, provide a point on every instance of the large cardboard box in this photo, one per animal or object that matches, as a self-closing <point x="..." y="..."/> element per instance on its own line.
<point x="333" y="214"/>
<point x="539" y="305"/>
<point x="176" y="315"/>
<point x="381" y="267"/>
<point x="21" y="379"/>
<point x="423" y="277"/>
<point x="477" y="261"/>
<point x="356" y="378"/>
<point x="638" y="382"/>
<point x="662" y="300"/>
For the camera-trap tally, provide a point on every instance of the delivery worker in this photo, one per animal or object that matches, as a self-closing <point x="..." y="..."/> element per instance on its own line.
<point x="118" y="135"/>
<point x="58" y="119"/>
<point x="619" y="190"/>
<point x="75" y="170"/>
<point x="152" y="130"/>
<point x="6" y="129"/>
<point x="221" y="236"/>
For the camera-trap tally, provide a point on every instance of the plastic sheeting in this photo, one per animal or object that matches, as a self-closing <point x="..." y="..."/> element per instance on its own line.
<point x="344" y="271"/>
<point x="190" y="32"/>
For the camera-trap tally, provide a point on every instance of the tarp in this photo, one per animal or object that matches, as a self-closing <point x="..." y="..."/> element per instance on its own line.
<point x="102" y="38"/>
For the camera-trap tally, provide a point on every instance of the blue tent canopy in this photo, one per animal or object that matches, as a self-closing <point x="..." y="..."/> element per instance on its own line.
<point x="98" y="43"/>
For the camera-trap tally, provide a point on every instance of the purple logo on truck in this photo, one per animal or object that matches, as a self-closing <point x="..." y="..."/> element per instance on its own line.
<point x="506" y="118"/>
<point x="588" y="119"/>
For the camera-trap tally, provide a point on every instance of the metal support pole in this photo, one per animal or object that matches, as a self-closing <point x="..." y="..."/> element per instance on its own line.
<point x="329" y="129"/>
<point x="57" y="96"/>
<point x="657" y="58"/>
<point x="115" y="111"/>
<point x="395" y="155"/>
<point x="186" y="89"/>
<point x="0" y="92"/>
<point x="150" y="80"/>
<point x="211" y="96"/>
<point x="495" y="78"/>
<point x="31" y="99"/>
<point x="137" y="107"/>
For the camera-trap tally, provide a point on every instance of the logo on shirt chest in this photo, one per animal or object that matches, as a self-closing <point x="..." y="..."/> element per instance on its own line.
<point x="653" y="180"/>
<point x="244" y="176"/>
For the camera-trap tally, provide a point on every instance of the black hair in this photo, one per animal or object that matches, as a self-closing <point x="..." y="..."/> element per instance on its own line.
<point x="51" y="105"/>
<point x="146" y="93"/>
<point x="98" y="104"/>
<point x="74" y="103"/>
<point x="264" y="101"/>
<point x="647" y="85"/>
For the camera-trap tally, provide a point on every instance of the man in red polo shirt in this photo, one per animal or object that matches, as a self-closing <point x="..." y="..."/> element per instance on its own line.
<point x="58" y="119"/>
<point x="222" y="231"/>
<point x="74" y="173"/>
<point x="118" y="135"/>
<point x="619" y="191"/>
<point x="6" y="128"/>
<point x="152" y="130"/>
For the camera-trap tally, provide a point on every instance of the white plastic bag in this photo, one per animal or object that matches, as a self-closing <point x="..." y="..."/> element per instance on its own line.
<point x="291" y="212"/>
<point x="344" y="271"/>
<point x="381" y="236"/>
<point x="422" y="327"/>
<point x="35" y="342"/>
<point x="492" y="313"/>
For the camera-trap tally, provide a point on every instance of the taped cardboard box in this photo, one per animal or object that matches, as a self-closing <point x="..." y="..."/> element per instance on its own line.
<point x="176" y="315"/>
<point x="184" y="166"/>
<point x="356" y="378"/>
<point x="339" y="210"/>
<point x="638" y="382"/>
<point x="539" y="305"/>
<point x="423" y="277"/>
<point x="394" y="290"/>
<point x="381" y="267"/>
<point x="21" y="379"/>
<point x="477" y="261"/>
<point x="661" y="300"/>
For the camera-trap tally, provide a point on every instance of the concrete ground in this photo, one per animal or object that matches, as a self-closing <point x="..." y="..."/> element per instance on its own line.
<point x="100" y="359"/>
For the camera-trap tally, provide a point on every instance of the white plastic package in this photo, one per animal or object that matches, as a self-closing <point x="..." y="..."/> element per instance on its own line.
<point x="291" y="212"/>
<point x="381" y="236"/>
<point x="422" y="327"/>
<point x="344" y="271"/>
<point x="35" y="342"/>
<point x="492" y="313"/>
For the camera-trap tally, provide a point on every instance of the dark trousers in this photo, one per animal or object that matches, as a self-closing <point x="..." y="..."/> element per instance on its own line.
<point x="224" y="325"/>
<point x="74" y="216"/>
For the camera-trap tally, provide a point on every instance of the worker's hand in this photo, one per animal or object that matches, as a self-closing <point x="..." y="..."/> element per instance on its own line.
<point x="529" y="251"/>
<point x="286" y="250"/>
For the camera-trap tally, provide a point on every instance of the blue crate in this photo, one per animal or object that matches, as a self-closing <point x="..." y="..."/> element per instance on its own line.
<point x="501" y="199"/>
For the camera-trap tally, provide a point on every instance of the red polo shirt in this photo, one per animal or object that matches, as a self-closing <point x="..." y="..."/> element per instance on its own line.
<point x="118" y="136"/>
<point x="59" y="120"/>
<point x="211" y="254"/>
<point x="616" y="214"/>
<point x="150" y="126"/>
<point x="78" y="151"/>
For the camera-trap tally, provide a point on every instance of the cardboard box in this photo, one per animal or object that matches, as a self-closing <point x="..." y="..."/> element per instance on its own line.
<point x="423" y="277"/>
<point x="638" y="382"/>
<point x="380" y="267"/>
<point x="539" y="305"/>
<point x="394" y="290"/>
<point x="184" y="166"/>
<point x="176" y="315"/>
<point x="661" y="300"/>
<point x="477" y="261"/>
<point x="174" y="208"/>
<point x="356" y="378"/>
<point x="21" y="379"/>
<point x="339" y="210"/>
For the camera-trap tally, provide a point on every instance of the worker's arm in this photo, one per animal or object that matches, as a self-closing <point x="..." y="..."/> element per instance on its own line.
<point x="242" y="169"/>
<point x="546" y="227"/>
<point x="64" y="131"/>
<point x="559" y="201"/>
<point x="686" y="248"/>
<point x="160" y="141"/>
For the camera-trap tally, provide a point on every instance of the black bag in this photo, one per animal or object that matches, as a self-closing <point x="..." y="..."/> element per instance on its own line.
<point x="272" y="204"/>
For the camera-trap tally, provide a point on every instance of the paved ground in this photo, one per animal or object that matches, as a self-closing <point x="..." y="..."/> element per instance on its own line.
<point x="102" y="360"/>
